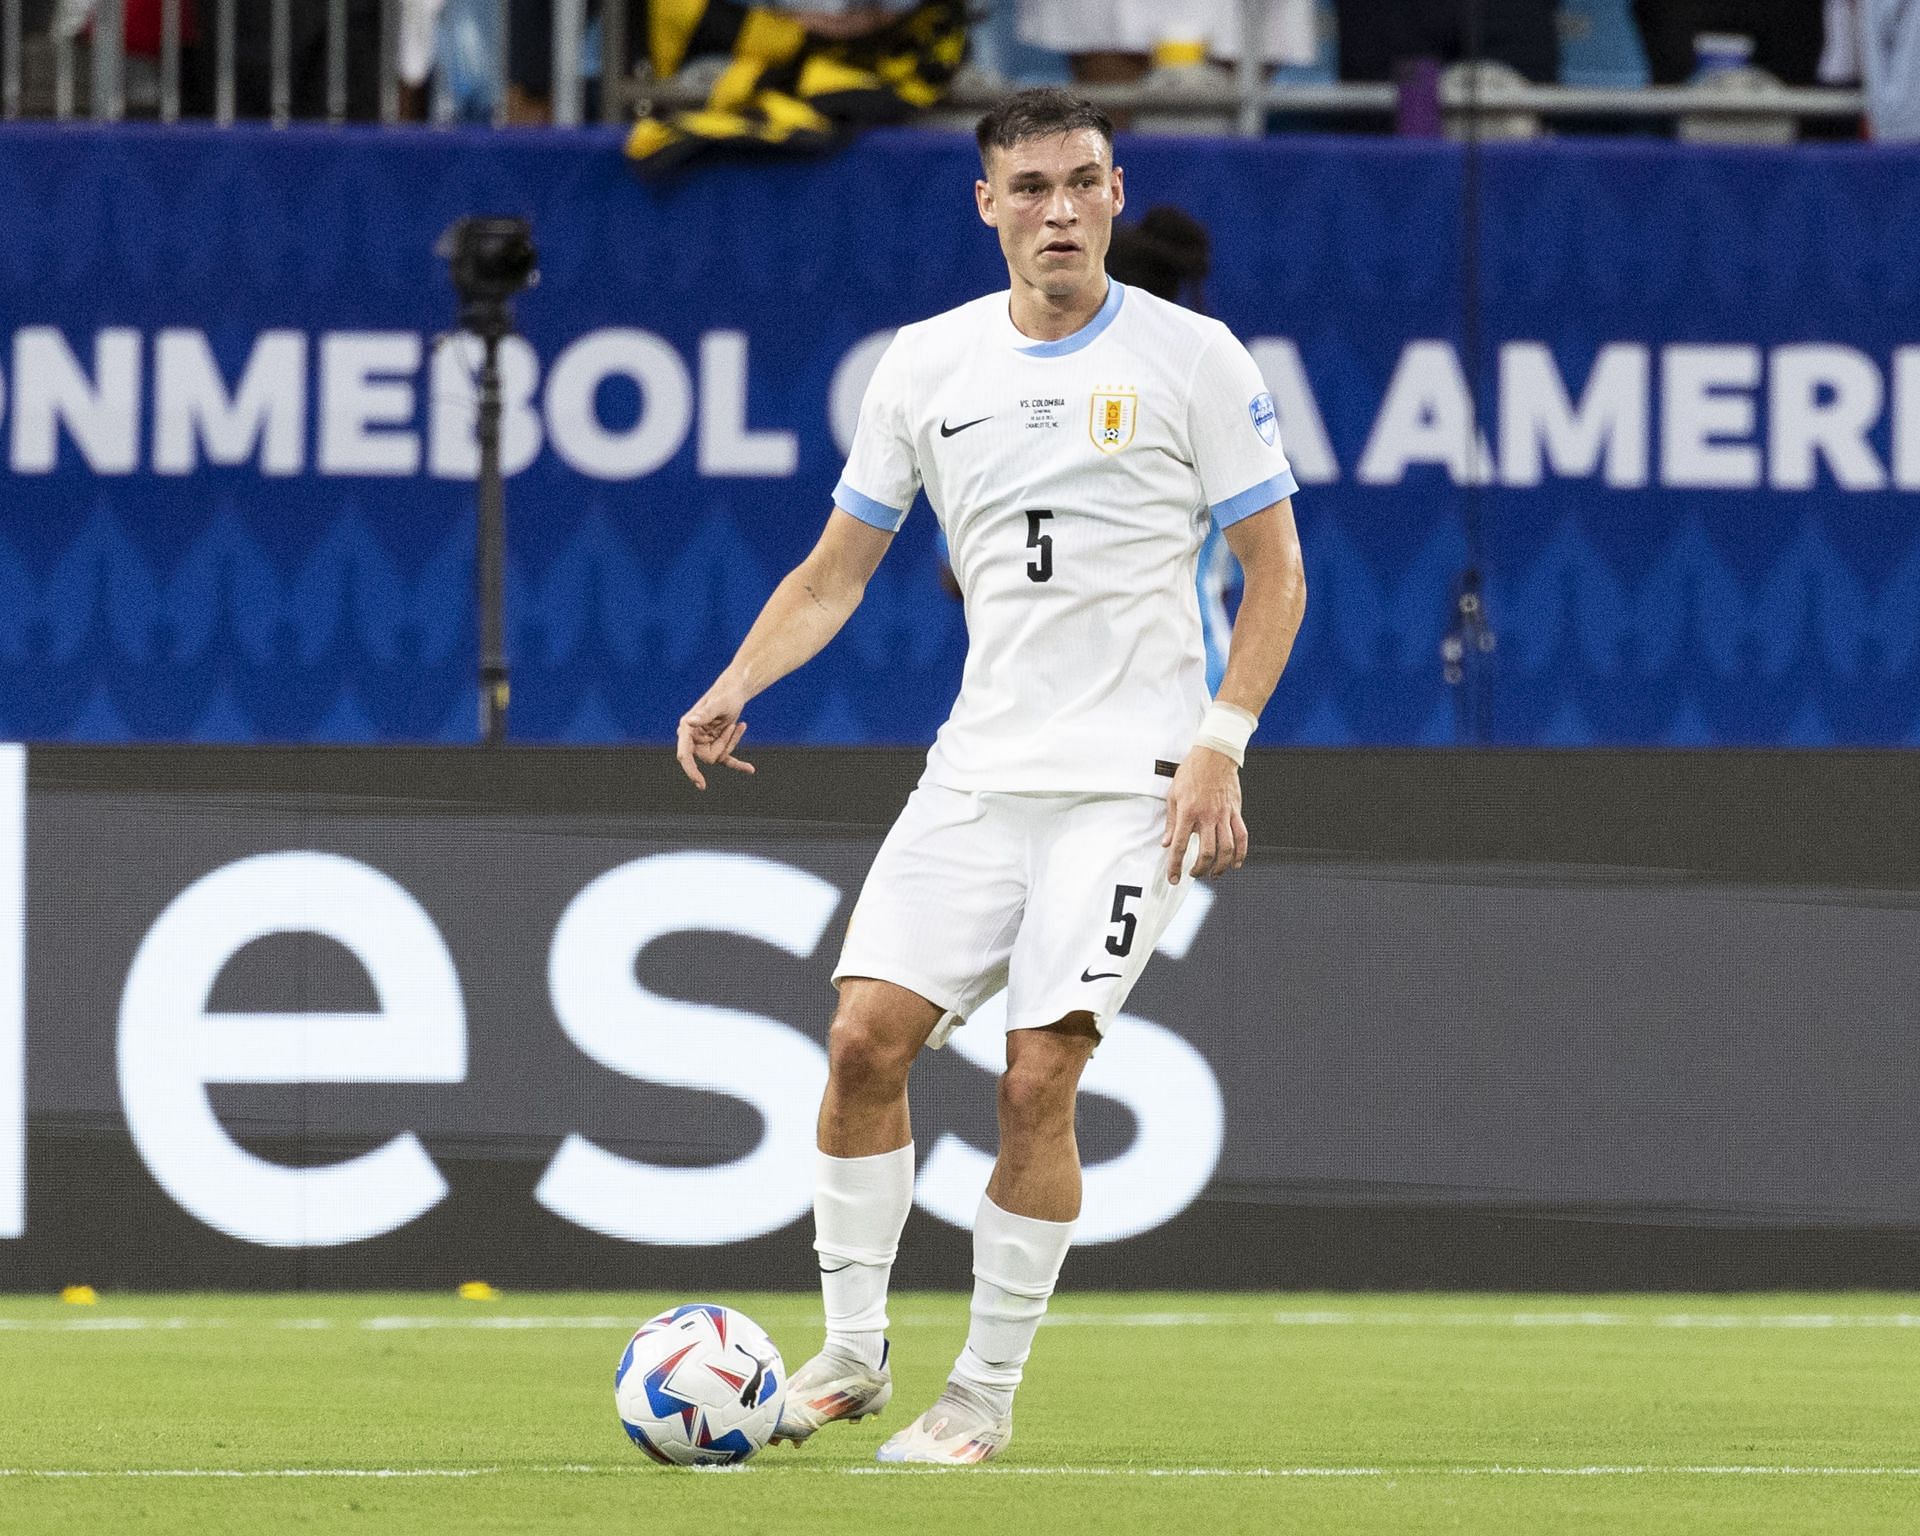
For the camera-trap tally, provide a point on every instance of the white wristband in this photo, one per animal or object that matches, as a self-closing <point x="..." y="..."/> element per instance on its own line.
<point x="1226" y="729"/>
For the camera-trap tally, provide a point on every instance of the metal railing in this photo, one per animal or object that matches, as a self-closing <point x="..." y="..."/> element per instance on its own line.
<point x="100" y="89"/>
<point x="1244" y="100"/>
<point x="1220" y="100"/>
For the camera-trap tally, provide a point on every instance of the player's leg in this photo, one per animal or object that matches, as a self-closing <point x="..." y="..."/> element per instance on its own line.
<point x="1024" y="1226"/>
<point x="878" y="1029"/>
<point x="929" y="936"/>
<point x="1021" y="1234"/>
<point x="1098" y="903"/>
<point x="863" y="1190"/>
<point x="1038" y="1170"/>
<point x="863" y="1179"/>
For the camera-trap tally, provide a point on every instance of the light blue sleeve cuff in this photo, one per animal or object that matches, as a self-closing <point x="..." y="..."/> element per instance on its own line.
<point x="875" y="514"/>
<point x="1258" y="499"/>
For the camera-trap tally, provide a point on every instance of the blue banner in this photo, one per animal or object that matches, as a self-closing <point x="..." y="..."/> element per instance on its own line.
<point x="1665" y="399"/>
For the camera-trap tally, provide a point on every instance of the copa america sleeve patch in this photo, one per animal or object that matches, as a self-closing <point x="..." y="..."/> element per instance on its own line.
<point x="1265" y="422"/>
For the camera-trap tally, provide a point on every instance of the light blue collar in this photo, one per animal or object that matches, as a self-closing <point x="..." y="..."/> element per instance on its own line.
<point x="1087" y="334"/>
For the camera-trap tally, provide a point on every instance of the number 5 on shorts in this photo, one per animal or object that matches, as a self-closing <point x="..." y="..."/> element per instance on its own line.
<point x="1120" y="943"/>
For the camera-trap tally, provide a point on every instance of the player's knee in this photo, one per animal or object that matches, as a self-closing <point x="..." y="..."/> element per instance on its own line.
<point x="866" y="1054"/>
<point x="1036" y="1097"/>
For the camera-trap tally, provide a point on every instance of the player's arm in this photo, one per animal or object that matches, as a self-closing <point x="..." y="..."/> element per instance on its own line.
<point x="1205" y="797"/>
<point x="805" y="611"/>
<point x="1273" y="601"/>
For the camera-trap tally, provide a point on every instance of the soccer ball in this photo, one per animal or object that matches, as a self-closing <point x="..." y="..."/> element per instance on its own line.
<point x="700" y="1386"/>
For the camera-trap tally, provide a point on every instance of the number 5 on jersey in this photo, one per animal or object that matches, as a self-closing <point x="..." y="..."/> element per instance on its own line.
<point x="1040" y="569"/>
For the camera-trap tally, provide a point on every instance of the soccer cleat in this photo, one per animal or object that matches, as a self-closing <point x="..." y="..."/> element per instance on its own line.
<point x="829" y="1389"/>
<point x="958" y="1430"/>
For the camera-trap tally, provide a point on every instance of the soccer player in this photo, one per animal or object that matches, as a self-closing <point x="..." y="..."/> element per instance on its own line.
<point x="1075" y="438"/>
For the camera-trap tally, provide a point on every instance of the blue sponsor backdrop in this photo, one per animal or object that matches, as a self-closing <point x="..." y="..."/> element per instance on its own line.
<point x="230" y="605"/>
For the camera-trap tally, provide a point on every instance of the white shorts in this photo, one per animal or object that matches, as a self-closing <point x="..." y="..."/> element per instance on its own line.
<point x="1058" y="898"/>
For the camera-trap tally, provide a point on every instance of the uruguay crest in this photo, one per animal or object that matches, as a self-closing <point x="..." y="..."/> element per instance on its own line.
<point x="1111" y="420"/>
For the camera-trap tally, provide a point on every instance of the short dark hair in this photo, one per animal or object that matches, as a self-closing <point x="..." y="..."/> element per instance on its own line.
<point x="1044" y="112"/>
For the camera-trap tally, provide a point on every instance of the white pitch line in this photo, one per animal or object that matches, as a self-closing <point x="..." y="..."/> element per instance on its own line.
<point x="103" y="1324"/>
<point x="1683" y="1471"/>
<point x="1592" y="1320"/>
<point x="1335" y="1472"/>
<point x="403" y="1324"/>
<point x="1068" y="1319"/>
<point x="1263" y="1472"/>
<point x="1140" y="1319"/>
<point x="250" y="1472"/>
<point x="1303" y="1473"/>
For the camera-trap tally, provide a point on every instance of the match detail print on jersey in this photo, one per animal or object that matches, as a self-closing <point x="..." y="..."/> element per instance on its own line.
<point x="1075" y="481"/>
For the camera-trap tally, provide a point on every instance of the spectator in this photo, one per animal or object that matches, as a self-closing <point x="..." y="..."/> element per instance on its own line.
<point x="530" y="93"/>
<point x="1168" y="253"/>
<point x="253" y="53"/>
<point x="253" y="58"/>
<point x="37" y="17"/>
<point x="1377" y="35"/>
<point x="1113" y="41"/>
<point x="1877" y="42"/>
<point x="530" y="54"/>
<point x="1787" y="35"/>
<point x="142" y="26"/>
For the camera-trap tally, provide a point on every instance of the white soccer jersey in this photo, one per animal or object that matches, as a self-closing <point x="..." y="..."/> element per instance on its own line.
<point x="1074" y="480"/>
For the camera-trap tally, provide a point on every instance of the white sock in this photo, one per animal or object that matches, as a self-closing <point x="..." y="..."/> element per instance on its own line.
<point x="859" y="1206"/>
<point x="1016" y="1260"/>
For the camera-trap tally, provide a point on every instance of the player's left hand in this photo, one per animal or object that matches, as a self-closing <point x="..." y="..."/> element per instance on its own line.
<point x="1205" y="799"/>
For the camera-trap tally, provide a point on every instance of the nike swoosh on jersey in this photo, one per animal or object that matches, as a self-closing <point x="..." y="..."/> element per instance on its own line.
<point x="1097" y="976"/>
<point x="947" y="431"/>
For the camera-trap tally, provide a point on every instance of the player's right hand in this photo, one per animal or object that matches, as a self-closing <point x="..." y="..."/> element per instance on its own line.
<point x="709" y="732"/>
<point x="1204" y="803"/>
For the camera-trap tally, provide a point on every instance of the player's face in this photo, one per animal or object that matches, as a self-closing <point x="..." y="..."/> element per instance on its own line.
<point x="1053" y="203"/>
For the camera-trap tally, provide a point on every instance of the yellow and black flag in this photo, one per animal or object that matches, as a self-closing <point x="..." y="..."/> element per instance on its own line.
<point x="785" y="89"/>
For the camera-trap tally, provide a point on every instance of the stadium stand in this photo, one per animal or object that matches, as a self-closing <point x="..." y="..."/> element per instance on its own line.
<point x="1582" y="65"/>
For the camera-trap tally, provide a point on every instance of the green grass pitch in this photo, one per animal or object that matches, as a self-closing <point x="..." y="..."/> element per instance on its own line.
<point x="1142" y="1413"/>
